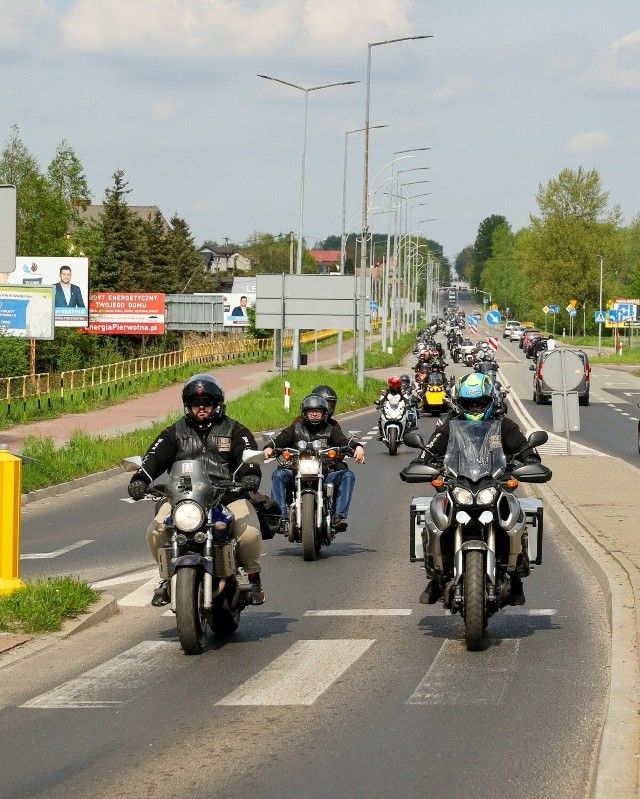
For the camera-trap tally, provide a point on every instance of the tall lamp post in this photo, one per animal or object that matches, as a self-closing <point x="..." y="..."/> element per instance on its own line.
<point x="343" y="237"/>
<point x="296" y="335"/>
<point x="365" y="207"/>
<point x="600" y="308"/>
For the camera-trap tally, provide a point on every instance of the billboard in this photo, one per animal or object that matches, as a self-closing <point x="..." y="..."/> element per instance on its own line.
<point x="235" y="309"/>
<point x="27" y="312"/>
<point x="69" y="278"/>
<point x="135" y="314"/>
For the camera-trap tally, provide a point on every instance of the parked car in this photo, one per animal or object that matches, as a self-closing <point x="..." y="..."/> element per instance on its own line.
<point x="542" y="391"/>
<point x="525" y="337"/>
<point x="507" y="328"/>
<point x="516" y="333"/>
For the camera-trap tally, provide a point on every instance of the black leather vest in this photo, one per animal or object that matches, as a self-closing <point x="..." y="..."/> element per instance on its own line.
<point x="212" y="446"/>
<point x="321" y="433"/>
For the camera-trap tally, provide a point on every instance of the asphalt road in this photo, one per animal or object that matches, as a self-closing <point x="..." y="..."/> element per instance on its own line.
<point x="342" y="684"/>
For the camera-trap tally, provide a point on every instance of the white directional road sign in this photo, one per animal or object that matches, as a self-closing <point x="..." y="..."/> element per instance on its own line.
<point x="493" y="317"/>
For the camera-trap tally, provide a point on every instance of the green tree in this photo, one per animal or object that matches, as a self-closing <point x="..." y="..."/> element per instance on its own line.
<point x="66" y="175"/>
<point x="184" y="261"/>
<point x="14" y="356"/>
<point x="574" y="228"/>
<point x="483" y="246"/>
<point x="42" y="213"/>
<point x="464" y="263"/>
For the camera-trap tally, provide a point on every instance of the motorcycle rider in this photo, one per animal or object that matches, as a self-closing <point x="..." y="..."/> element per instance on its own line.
<point x="475" y="402"/>
<point x="395" y="389"/>
<point x="205" y="432"/>
<point x="409" y="389"/>
<point x="315" y="426"/>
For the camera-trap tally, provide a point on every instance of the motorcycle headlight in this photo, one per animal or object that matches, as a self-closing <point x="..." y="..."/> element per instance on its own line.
<point x="463" y="496"/>
<point x="487" y="496"/>
<point x="188" y="516"/>
<point x="309" y="467"/>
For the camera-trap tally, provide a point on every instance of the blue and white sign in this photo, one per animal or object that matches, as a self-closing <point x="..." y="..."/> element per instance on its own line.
<point x="573" y="312"/>
<point x="493" y="317"/>
<point x="615" y="316"/>
<point x="485" y="300"/>
<point x="626" y="310"/>
<point x="554" y="309"/>
<point x="599" y="317"/>
<point x="373" y="305"/>
<point x="473" y="320"/>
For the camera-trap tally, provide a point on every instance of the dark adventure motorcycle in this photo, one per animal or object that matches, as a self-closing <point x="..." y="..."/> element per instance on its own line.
<point x="475" y="536"/>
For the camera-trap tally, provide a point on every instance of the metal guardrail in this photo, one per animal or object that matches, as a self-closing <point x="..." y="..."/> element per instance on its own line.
<point x="45" y="388"/>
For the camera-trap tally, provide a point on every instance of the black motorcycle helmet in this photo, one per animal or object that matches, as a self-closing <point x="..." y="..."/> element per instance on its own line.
<point x="206" y="388"/>
<point x="330" y="395"/>
<point x="314" y="402"/>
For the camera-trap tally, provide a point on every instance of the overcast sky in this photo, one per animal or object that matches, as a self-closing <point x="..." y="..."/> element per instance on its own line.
<point x="506" y="94"/>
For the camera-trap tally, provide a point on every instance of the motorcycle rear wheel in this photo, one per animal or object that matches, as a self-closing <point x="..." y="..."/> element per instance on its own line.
<point x="392" y="435"/>
<point x="309" y="547"/>
<point x="190" y="616"/>
<point x="474" y="600"/>
<point x="224" y="621"/>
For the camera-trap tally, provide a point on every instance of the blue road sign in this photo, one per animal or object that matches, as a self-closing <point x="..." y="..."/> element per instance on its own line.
<point x="625" y="309"/>
<point x="554" y="309"/>
<point x="485" y="300"/>
<point x="373" y="305"/>
<point x="599" y="317"/>
<point x="493" y="317"/>
<point x="573" y="312"/>
<point x="615" y="316"/>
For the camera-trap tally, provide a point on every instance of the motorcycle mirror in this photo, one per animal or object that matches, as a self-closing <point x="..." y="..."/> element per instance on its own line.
<point x="253" y="456"/>
<point x="131" y="464"/>
<point x="538" y="438"/>
<point x="532" y="473"/>
<point x="413" y="440"/>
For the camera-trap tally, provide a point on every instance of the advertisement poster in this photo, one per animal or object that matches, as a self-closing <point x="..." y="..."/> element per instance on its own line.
<point x="69" y="278"/>
<point x="27" y="312"/>
<point x="235" y="309"/>
<point x="135" y="314"/>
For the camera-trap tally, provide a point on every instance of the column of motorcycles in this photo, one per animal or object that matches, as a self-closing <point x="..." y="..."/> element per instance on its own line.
<point x="474" y="536"/>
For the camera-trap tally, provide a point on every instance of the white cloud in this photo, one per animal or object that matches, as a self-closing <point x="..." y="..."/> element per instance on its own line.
<point x="618" y="69"/>
<point x="209" y="30"/>
<point x="22" y="23"/>
<point x="166" y="108"/>
<point x="455" y="88"/>
<point x="583" y="143"/>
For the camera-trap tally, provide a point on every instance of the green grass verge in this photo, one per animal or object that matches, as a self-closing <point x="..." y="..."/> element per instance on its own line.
<point x="260" y="410"/>
<point x="44" y="604"/>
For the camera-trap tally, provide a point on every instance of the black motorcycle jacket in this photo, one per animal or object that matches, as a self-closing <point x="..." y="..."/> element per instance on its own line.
<point x="513" y="441"/>
<point x="220" y="446"/>
<point x="326" y="433"/>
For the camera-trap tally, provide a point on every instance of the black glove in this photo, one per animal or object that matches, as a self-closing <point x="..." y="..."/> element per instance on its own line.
<point x="137" y="489"/>
<point x="250" y="483"/>
<point x="532" y="459"/>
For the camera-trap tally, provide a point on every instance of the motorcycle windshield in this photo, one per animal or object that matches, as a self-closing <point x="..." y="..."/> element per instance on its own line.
<point x="475" y="450"/>
<point x="189" y="480"/>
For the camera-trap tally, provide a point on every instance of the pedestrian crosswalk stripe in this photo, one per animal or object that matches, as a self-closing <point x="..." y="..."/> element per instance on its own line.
<point x="457" y="677"/>
<point x="300" y="675"/>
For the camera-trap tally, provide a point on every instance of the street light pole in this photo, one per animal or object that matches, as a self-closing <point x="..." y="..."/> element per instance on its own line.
<point x="296" y="334"/>
<point x="343" y="236"/>
<point x="365" y="207"/>
<point x="600" y="308"/>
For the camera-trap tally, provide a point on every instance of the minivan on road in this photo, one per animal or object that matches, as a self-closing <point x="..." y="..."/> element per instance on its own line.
<point x="542" y="391"/>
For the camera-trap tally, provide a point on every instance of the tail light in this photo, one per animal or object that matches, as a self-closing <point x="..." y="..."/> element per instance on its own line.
<point x="540" y="371"/>
<point x="587" y="372"/>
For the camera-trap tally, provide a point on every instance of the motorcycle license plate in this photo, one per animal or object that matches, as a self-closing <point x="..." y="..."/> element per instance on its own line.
<point x="309" y="468"/>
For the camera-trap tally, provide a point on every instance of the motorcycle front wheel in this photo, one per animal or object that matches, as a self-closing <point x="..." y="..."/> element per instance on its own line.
<point x="474" y="600"/>
<point x="309" y="547"/>
<point x="190" y="616"/>
<point x="392" y="436"/>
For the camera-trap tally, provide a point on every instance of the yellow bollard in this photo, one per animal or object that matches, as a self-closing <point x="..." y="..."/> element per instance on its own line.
<point x="10" y="499"/>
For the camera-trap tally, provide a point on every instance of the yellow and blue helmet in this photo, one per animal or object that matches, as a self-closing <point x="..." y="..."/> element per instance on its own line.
<point x="475" y="397"/>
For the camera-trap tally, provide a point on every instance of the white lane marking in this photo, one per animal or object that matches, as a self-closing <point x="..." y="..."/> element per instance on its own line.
<point x="458" y="677"/>
<point x="142" y="595"/>
<point x="300" y="675"/>
<point x="57" y="552"/>
<point x="361" y="612"/>
<point x="116" y="681"/>
<point x="127" y="578"/>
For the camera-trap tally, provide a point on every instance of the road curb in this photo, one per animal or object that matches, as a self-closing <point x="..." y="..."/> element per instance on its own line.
<point x="615" y="771"/>
<point x="62" y="488"/>
<point x="102" y="609"/>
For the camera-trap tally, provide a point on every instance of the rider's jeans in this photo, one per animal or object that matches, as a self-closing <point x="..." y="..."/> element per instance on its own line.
<point x="343" y="480"/>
